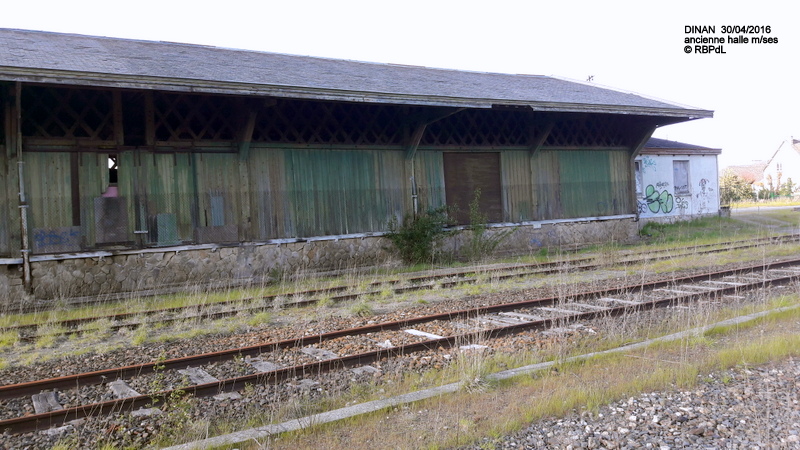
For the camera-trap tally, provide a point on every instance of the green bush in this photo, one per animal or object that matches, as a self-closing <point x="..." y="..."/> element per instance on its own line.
<point x="418" y="239"/>
<point x="480" y="245"/>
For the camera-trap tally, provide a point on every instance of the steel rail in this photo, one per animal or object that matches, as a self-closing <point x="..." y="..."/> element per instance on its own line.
<point x="40" y="421"/>
<point x="541" y="269"/>
<point x="101" y="376"/>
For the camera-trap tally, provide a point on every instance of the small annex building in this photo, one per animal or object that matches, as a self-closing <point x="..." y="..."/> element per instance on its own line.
<point x="676" y="181"/>
<point x="130" y="164"/>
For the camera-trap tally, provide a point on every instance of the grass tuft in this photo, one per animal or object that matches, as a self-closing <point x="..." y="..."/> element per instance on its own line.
<point x="8" y="338"/>
<point x="362" y="309"/>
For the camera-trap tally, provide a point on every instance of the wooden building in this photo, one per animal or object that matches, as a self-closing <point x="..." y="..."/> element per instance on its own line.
<point x="115" y="149"/>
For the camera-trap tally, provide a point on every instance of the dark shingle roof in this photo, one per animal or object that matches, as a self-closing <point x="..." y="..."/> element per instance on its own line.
<point x="656" y="146"/>
<point x="663" y="143"/>
<point x="86" y="60"/>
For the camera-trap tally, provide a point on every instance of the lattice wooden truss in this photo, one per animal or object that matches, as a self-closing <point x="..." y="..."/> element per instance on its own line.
<point x="293" y="121"/>
<point x="587" y="131"/>
<point x="80" y="114"/>
<point x="480" y="128"/>
<point x="181" y="117"/>
<point x="88" y="115"/>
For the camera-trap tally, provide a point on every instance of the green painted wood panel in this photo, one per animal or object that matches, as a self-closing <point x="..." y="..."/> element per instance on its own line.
<point x="546" y="185"/>
<point x="518" y="205"/>
<point x="429" y="168"/>
<point x="159" y="184"/>
<point x="93" y="176"/>
<point x="621" y="174"/>
<point x="177" y="174"/>
<point x="48" y="186"/>
<point x="390" y="167"/>
<point x="591" y="185"/>
<point x="268" y="204"/>
<point x="126" y="184"/>
<point x="334" y="192"/>
<point x="218" y="187"/>
<point x="9" y="221"/>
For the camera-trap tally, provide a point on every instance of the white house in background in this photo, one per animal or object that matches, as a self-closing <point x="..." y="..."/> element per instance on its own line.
<point x="784" y="164"/>
<point x="676" y="181"/>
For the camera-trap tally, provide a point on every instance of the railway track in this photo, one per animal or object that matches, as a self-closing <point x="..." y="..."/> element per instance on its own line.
<point x="341" y="293"/>
<point x="269" y="363"/>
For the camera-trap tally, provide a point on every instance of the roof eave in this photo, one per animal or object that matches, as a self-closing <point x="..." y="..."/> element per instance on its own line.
<point x="248" y="89"/>
<point x="681" y="151"/>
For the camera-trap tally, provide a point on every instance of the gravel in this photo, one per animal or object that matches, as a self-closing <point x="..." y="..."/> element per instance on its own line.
<point x="140" y="431"/>
<point x="743" y="408"/>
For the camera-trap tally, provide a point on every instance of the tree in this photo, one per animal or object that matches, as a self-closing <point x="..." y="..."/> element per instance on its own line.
<point x="788" y="188"/>
<point x="733" y="188"/>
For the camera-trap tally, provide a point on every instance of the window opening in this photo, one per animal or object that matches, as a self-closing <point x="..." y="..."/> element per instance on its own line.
<point x="680" y="171"/>
<point x="637" y="167"/>
<point x="112" y="190"/>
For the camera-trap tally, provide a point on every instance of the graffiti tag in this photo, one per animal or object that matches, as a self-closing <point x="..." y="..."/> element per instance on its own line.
<point x="59" y="236"/>
<point x="658" y="201"/>
<point x="682" y="204"/>
<point x="704" y="196"/>
<point x="648" y="162"/>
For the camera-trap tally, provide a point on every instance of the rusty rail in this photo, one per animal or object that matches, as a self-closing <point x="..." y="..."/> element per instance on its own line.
<point x="39" y="421"/>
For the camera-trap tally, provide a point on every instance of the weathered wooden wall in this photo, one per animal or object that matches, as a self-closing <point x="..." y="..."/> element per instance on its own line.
<point x="429" y="178"/>
<point x="9" y="189"/>
<point x="331" y="192"/>
<point x="285" y="170"/>
<point x="593" y="183"/>
<point x="518" y="186"/>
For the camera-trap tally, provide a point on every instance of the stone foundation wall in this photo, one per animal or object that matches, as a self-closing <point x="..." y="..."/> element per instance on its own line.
<point x="11" y="284"/>
<point x="187" y="267"/>
<point x="532" y="238"/>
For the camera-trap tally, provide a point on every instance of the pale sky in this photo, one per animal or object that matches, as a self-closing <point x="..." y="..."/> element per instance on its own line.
<point x="630" y="45"/>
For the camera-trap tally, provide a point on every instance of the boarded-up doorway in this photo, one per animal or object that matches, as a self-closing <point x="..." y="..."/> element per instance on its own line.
<point x="464" y="175"/>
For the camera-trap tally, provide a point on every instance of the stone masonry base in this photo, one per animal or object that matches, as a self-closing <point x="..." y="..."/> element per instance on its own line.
<point x="70" y="276"/>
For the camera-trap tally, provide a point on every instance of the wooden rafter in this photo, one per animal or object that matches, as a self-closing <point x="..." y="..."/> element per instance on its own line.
<point x="539" y="136"/>
<point x="421" y="121"/>
<point x="246" y="136"/>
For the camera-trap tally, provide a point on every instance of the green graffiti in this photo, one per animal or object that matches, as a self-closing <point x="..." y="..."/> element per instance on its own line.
<point x="656" y="201"/>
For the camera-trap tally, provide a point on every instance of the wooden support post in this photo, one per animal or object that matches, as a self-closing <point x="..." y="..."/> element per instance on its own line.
<point x="413" y="142"/>
<point x="411" y="151"/>
<point x="420" y="123"/>
<point x="10" y="185"/>
<point x="119" y="132"/>
<point x="639" y="144"/>
<point x="9" y="123"/>
<point x="245" y="139"/>
<point x="149" y="120"/>
<point x="246" y="136"/>
<point x="635" y="148"/>
<point x="538" y="140"/>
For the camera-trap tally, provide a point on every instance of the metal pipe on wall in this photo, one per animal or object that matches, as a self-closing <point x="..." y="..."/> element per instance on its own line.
<point x="23" y="216"/>
<point x="23" y="204"/>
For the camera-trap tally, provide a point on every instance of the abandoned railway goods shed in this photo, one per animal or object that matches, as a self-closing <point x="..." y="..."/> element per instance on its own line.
<point x="131" y="164"/>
